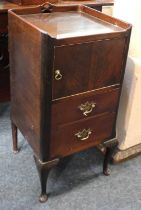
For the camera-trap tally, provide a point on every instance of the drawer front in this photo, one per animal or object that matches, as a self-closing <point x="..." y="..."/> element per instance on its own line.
<point x="74" y="137"/>
<point x="88" y="66"/>
<point x="85" y="105"/>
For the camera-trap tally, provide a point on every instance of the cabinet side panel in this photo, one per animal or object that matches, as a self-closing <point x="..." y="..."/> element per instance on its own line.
<point x="25" y="62"/>
<point x="46" y="97"/>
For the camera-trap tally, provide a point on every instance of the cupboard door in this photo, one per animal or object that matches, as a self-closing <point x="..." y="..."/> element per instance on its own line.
<point x="84" y="67"/>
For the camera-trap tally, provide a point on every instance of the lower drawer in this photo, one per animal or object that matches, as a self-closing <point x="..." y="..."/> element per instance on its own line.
<point x="70" y="138"/>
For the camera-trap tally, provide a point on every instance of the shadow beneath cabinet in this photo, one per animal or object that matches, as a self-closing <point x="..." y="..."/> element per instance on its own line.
<point x="75" y="171"/>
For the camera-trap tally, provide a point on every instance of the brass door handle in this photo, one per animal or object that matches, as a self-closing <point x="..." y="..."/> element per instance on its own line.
<point x="84" y="134"/>
<point x="58" y="75"/>
<point x="87" y="108"/>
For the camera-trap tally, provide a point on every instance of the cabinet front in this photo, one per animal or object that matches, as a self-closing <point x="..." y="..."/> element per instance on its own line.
<point x="83" y="67"/>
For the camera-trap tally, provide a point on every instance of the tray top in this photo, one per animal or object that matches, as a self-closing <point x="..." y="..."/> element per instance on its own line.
<point x="70" y="24"/>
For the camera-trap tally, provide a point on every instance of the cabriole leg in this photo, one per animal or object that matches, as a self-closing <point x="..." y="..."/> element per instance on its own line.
<point x="109" y="146"/>
<point x="43" y="171"/>
<point x="14" y="138"/>
<point x="106" y="170"/>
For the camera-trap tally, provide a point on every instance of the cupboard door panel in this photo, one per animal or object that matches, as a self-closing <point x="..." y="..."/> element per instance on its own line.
<point x="108" y="56"/>
<point x="88" y="66"/>
<point x="74" y="63"/>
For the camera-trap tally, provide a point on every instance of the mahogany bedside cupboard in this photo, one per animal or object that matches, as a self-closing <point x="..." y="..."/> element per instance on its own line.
<point x="67" y="66"/>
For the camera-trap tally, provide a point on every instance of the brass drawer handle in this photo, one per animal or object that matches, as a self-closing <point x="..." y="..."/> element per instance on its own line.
<point x="58" y="75"/>
<point x="87" y="107"/>
<point x="84" y="134"/>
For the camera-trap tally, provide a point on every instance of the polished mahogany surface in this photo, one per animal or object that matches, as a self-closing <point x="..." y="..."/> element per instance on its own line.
<point x="58" y="24"/>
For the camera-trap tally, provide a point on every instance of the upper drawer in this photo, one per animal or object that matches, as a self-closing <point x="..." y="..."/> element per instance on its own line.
<point x="88" y="66"/>
<point x="85" y="105"/>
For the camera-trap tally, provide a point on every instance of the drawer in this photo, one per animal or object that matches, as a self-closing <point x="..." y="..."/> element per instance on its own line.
<point x="84" y="67"/>
<point x="80" y="135"/>
<point x="85" y="105"/>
